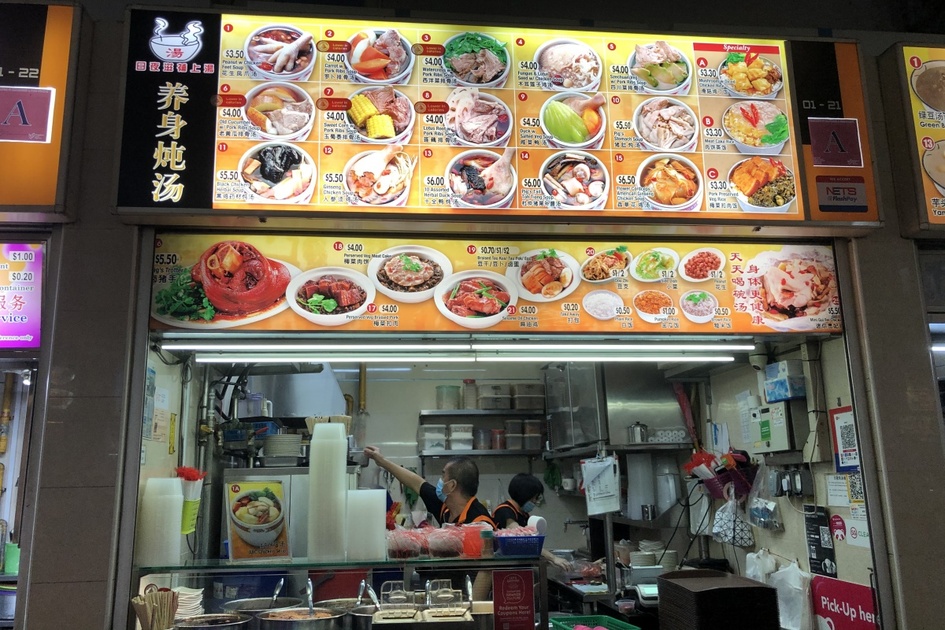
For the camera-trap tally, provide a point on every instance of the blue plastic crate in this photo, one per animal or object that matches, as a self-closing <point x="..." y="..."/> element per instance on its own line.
<point x="526" y="546"/>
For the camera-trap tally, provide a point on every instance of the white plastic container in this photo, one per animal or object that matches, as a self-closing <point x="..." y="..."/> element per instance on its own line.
<point x="470" y="394"/>
<point x="431" y="437"/>
<point x="462" y="431"/>
<point x="495" y="389"/>
<point x="7" y="602"/>
<point x="461" y="444"/>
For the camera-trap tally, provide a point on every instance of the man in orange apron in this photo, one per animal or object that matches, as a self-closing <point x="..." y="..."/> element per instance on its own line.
<point x="453" y="499"/>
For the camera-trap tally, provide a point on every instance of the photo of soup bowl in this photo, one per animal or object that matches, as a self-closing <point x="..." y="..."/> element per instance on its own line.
<point x="698" y="306"/>
<point x="475" y="299"/>
<point x="278" y="172"/>
<point x="664" y="79"/>
<point x="567" y="64"/>
<point x="399" y="137"/>
<point x="666" y="124"/>
<point x="282" y="46"/>
<point x="391" y="171"/>
<point x="674" y="183"/>
<point x="469" y="171"/>
<point x="496" y="81"/>
<point x="502" y="122"/>
<point x="279" y="111"/>
<point x="592" y="117"/>
<point x="745" y="122"/>
<point x="576" y="180"/>
<point x="257" y="518"/>
<point x="358" y="44"/>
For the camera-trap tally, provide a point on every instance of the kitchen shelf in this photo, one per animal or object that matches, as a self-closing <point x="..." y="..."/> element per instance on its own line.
<point x="659" y="522"/>
<point x="472" y="414"/>
<point x="619" y="449"/>
<point x="481" y="453"/>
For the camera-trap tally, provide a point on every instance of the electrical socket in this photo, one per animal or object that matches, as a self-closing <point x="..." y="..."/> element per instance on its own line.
<point x="802" y="482"/>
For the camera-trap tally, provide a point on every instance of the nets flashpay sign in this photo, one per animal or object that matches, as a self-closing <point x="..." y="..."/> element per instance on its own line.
<point x="290" y="282"/>
<point x="251" y="113"/>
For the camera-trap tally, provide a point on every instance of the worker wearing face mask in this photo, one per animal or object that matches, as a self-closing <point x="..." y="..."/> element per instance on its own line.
<point x="525" y="492"/>
<point x="453" y="499"/>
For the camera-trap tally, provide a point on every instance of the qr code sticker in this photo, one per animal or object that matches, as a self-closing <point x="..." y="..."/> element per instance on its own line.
<point x="826" y="540"/>
<point x="855" y="483"/>
<point x="848" y="437"/>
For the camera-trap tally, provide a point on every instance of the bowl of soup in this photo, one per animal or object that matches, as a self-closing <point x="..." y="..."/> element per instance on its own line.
<point x="257" y="517"/>
<point x="279" y="52"/>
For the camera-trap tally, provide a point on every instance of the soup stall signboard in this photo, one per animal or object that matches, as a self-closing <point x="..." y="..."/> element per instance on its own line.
<point x="304" y="283"/>
<point x="35" y="62"/>
<point x="925" y="68"/>
<point x="248" y="114"/>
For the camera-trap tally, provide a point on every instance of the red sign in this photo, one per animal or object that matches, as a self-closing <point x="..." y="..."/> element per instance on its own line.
<point x="514" y="599"/>
<point x="840" y="605"/>
<point x="25" y="114"/>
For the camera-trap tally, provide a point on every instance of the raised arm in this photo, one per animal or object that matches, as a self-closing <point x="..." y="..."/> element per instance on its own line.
<point x="407" y="477"/>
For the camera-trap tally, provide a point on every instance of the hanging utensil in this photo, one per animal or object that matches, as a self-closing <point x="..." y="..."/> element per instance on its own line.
<point x="275" y="593"/>
<point x="311" y="605"/>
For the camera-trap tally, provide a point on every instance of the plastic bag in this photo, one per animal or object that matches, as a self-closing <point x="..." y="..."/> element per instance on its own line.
<point x="793" y="586"/>
<point x="759" y="565"/>
<point x="762" y="508"/>
<point x="730" y="526"/>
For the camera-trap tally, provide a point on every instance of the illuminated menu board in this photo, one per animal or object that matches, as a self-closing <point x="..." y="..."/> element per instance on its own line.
<point x="925" y="69"/>
<point x="324" y="115"/>
<point x="35" y="60"/>
<point x="21" y="295"/>
<point x="303" y="283"/>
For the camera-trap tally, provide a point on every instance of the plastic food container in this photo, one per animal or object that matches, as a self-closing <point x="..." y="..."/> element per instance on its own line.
<point x="461" y="444"/>
<point x="498" y="439"/>
<point x="495" y="402"/>
<point x="431" y="437"/>
<point x="513" y="426"/>
<point x="497" y="389"/>
<point x="514" y="441"/>
<point x="532" y="427"/>
<point x="447" y="396"/>
<point x="461" y="431"/>
<point x="532" y="442"/>
<point x="482" y="439"/>
<point x="528" y="389"/>
<point x="470" y="394"/>
<point x="528" y="402"/>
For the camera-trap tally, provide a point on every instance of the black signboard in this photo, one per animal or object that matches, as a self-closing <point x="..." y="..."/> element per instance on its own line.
<point x="820" y="551"/>
<point x="22" y="30"/>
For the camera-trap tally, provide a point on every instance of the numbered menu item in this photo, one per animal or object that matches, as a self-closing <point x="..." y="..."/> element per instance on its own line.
<point x="370" y="284"/>
<point x="581" y="118"/>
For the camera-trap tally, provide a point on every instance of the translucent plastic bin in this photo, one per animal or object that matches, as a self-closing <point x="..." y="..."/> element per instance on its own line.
<point x="532" y="442"/>
<point x="495" y="389"/>
<point x="528" y="389"/>
<point x="514" y="441"/>
<point x="495" y="402"/>
<point x="461" y="431"/>
<point x="532" y="427"/>
<point x="461" y="444"/>
<point x="528" y="402"/>
<point x="514" y="426"/>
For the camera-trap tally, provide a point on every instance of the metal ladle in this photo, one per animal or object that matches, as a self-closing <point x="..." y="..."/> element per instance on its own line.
<point x="311" y="606"/>
<point x="275" y="593"/>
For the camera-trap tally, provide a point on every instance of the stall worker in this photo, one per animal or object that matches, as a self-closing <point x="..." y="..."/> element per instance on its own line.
<point x="453" y="499"/>
<point x="525" y="493"/>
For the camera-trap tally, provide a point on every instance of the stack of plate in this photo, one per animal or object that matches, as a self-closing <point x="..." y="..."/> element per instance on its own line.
<point x="670" y="559"/>
<point x="283" y="445"/>
<point x="189" y="601"/>
<point x="652" y="545"/>
<point x="642" y="559"/>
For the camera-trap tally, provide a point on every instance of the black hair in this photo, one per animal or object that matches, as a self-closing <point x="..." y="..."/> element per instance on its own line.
<point x="524" y="488"/>
<point x="466" y="474"/>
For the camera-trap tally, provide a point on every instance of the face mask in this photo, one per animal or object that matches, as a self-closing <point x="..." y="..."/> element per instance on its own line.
<point x="528" y="507"/>
<point x="439" y="491"/>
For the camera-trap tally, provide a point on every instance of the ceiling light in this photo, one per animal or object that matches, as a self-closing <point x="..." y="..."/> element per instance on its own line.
<point x="370" y="369"/>
<point x="203" y="346"/>
<point x="612" y="347"/>
<point x="938" y="347"/>
<point x="610" y="358"/>
<point x="329" y="358"/>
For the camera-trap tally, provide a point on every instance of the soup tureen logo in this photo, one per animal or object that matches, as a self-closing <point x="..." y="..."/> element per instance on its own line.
<point x="182" y="46"/>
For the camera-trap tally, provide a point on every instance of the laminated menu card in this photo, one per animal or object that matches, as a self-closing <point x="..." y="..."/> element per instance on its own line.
<point x="257" y="516"/>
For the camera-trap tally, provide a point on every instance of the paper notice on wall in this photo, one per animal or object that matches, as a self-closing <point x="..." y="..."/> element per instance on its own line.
<point x="149" y="387"/>
<point x="161" y="398"/>
<point x="838" y="494"/>
<point x="858" y="529"/>
<point x="601" y="485"/>
<point x="743" y="400"/>
<point x="160" y="425"/>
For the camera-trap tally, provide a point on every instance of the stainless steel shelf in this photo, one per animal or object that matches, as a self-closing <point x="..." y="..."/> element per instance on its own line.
<point x="482" y="453"/>
<point x="644" y="447"/>
<point x="472" y="414"/>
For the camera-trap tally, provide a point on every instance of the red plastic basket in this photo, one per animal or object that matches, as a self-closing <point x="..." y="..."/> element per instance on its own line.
<point x="740" y="478"/>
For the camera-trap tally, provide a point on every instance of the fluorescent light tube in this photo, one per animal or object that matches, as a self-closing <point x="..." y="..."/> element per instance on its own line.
<point x="609" y="358"/>
<point x="611" y="347"/>
<point x="203" y="346"/>
<point x="327" y="358"/>
<point x="938" y="348"/>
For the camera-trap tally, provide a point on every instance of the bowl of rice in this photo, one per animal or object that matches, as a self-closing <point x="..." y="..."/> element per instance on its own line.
<point x="603" y="305"/>
<point x="698" y="306"/>
<point x="653" y="306"/>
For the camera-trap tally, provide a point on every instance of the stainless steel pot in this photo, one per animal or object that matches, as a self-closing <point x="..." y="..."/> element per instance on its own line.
<point x="637" y="433"/>
<point x="299" y="619"/>
<point x="360" y="618"/>
<point x="255" y="605"/>
<point x="342" y="604"/>
<point x="218" y="620"/>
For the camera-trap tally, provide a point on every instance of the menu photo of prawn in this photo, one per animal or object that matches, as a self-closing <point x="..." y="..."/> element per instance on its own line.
<point x="231" y="284"/>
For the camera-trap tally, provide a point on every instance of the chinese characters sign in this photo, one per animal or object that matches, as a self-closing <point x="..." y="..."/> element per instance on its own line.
<point x="21" y="295"/>
<point x="379" y="284"/>
<point x="925" y="69"/>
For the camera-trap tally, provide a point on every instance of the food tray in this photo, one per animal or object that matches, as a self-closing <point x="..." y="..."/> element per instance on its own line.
<point x="526" y="546"/>
<point x="591" y="621"/>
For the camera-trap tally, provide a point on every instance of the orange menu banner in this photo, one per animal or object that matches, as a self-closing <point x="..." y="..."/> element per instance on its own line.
<point x="306" y="283"/>
<point x="326" y="115"/>
<point x="925" y="69"/>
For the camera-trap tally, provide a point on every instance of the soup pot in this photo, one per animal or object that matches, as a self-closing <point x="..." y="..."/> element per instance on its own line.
<point x="360" y="618"/>
<point x="255" y="605"/>
<point x="285" y="619"/>
<point x="218" y="620"/>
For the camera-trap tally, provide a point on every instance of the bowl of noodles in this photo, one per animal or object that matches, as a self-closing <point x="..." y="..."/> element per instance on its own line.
<point x="606" y="265"/>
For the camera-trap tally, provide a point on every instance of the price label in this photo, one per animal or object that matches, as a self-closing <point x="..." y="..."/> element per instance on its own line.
<point x="713" y="132"/>
<point x="231" y="112"/>
<point x="228" y="176"/>
<point x="708" y="73"/>
<point x="531" y="122"/>
<point x="334" y="178"/>
<point x="233" y="53"/>
<point x="668" y="310"/>
<point x="667" y="274"/>
<point x="433" y="119"/>
<point x="22" y="256"/>
<point x="722" y="311"/>
<point x="531" y="182"/>
<point x="627" y="180"/>
<point x="623" y="125"/>
<point x="571" y="307"/>
<point x="388" y="308"/>
<point x="528" y="310"/>
<point x="528" y="65"/>
<point x="717" y="274"/>
<point x="432" y="61"/>
<point x="432" y="180"/>
<point x="21" y="276"/>
<point x="338" y="57"/>
<point x="336" y="116"/>
<point x="165" y="259"/>
<point x="618" y="273"/>
<point x="718" y="184"/>
<point x="624" y="310"/>
<point x="619" y="69"/>
<point x="354" y="247"/>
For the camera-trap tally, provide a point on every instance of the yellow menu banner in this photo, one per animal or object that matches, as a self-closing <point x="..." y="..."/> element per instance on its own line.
<point x="437" y="119"/>
<point x="307" y="283"/>
<point x="925" y="69"/>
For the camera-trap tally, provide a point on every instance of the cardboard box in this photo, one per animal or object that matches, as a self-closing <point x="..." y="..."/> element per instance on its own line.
<point x="794" y="367"/>
<point x="785" y="388"/>
<point x="712" y="600"/>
